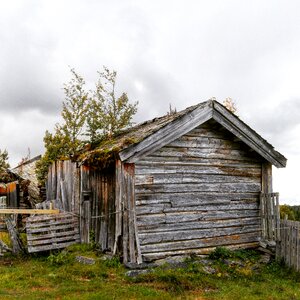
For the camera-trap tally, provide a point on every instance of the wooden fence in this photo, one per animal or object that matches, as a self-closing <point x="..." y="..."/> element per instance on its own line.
<point x="285" y="233"/>
<point x="50" y="232"/>
<point x="288" y="244"/>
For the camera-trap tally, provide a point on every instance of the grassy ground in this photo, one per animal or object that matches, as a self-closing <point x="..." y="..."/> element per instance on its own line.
<point x="59" y="276"/>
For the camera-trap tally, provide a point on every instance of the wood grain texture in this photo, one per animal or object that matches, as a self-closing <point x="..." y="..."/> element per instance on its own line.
<point x="199" y="191"/>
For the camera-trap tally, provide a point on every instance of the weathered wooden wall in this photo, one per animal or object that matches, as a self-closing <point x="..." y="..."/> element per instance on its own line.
<point x="198" y="192"/>
<point x="126" y="238"/>
<point x="88" y="193"/>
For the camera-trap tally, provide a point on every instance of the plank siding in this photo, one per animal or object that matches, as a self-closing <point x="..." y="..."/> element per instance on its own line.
<point x="199" y="191"/>
<point x="88" y="193"/>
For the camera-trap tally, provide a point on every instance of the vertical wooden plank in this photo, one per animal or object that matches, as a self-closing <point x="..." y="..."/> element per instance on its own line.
<point x="298" y="248"/>
<point x="77" y="189"/>
<point x="53" y="181"/>
<point x="111" y="209"/>
<point x="104" y="213"/>
<point x="125" y="217"/>
<point x="85" y="208"/>
<point x="129" y="174"/>
<point x="262" y="215"/>
<point x="118" y="204"/>
<point x="266" y="183"/>
<point x="277" y="217"/>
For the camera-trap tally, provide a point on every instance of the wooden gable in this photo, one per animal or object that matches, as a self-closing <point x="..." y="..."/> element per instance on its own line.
<point x="194" y="118"/>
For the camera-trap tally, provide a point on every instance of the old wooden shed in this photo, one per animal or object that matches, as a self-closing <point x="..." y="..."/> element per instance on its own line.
<point x="179" y="184"/>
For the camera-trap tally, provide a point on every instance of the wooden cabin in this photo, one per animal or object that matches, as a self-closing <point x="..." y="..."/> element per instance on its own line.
<point x="176" y="185"/>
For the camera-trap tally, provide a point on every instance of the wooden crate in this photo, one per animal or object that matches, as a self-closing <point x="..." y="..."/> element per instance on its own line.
<point x="49" y="232"/>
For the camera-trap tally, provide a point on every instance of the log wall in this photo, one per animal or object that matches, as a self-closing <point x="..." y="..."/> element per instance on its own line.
<point x="198" y="192"/>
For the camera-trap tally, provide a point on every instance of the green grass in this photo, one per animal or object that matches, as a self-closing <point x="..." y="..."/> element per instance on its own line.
<point x="60" y="276"/>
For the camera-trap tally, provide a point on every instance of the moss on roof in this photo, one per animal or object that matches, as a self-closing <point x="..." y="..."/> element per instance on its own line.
<point x="107" y="151"/>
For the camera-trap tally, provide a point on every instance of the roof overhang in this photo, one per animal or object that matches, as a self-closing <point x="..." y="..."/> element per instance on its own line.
<point x="202" y="113"/>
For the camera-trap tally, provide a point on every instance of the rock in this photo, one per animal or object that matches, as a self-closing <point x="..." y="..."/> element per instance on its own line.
<point x="209" y="270"/>
<point x="205" y="262"/>
<point x="85" y="260"/>
<point x="231" y="262"/>
<point x="176" y="261"/>
<point x="106" y="257"/>
<point x="141" y="266"/>
<point x="265" y="259"/>
<point x="134" y="273"/>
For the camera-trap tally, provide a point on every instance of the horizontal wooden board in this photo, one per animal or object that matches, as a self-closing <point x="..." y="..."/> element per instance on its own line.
<point x="201" y="243"/>
<point x="182" y="217"/>
<point x="201" y="161"/>
<point x="50" y="222"/>
<point x="167" y="208"/>
<point x="66" y="238"/>
<point x="174" y="200"/>
<point x="204" y="153"/>
<point x="37" y="219"/>
<point x="167" y="227"/>
<point x="193" y="178"/>
<point x="32" y="249"/>
<point x="189" y="234"/>
<point x="202" y="197"/>
<point x="210" y="142"/>
<point x="9" y="211"/>
<point x="47" y="236"/>
<point x="201" y="187"/>
<point x="147" y="257"/>
<point x="152" y="168"/>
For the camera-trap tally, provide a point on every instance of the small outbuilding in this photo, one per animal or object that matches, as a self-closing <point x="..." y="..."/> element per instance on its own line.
<point x="180" y="184"/>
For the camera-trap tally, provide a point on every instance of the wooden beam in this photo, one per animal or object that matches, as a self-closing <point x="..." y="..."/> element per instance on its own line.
<point x="8" y="211"/>
<point x="168" y="133"/>
<point x="247" y="135"/>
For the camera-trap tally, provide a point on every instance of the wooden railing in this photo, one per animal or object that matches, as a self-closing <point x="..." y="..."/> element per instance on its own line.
<point x="270" y="216"/>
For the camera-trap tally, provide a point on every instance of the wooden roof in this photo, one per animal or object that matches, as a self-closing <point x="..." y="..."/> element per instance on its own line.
<point x="149" y="136"/>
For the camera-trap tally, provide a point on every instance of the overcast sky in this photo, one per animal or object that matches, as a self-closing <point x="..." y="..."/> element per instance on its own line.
<point x="178" y="52"/>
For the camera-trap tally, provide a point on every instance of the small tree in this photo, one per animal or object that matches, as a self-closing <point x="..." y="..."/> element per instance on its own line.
<point x="107" y="113"/>
<point x="100" y="112"/>
<point x="4" y="165"/>
<point x="57" y="146"/>
<point x="74" y="112"/>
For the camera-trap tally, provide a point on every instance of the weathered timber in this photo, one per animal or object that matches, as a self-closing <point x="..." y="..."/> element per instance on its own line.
<point x="288" y="247"/>
<point x="148" y="257"/>
<point x="161" y="237"/>
<point x="17" y="244"/>
<point x="186" y="192"/>
<point x="167" y="134"/>
<point x="7" y="211"/>
<point x="193" y="178"/>
<point x="201" y="187"/>
<point x="167" y="208"/>
<point x="201" y="243"/>
<point x="237" y="155"/>
<point x="247" y="135"/>
<point x="199" y="197"/>
<point x="156" y="228"/>
<point x="118" y="205"/>
<point x="194" y="217"/>
<point x="51" y="232"/>
<point x="197" y="201"/>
